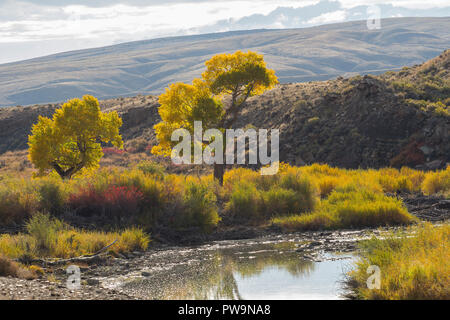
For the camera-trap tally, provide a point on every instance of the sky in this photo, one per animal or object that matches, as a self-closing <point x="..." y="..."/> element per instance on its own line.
<point x="32" y="28"/>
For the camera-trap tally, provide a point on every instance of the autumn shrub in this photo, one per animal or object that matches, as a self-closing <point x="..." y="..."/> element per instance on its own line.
<point x="151" y="168"/>
<point x="413" y="264"/>
<point x="52" y="196"/>
<point x="278" y="201"/>
<point x="17" y="201"/>
<point x="327" y="184"/>
<point x="437" y="182"/>
<point x="44" y="230"/>
<point x="245" y="202"/>
<point x="108" y="151"/>
<point x="114" y="201"/>
<point x="199" y="208"/>
<point x="303" y="187"/>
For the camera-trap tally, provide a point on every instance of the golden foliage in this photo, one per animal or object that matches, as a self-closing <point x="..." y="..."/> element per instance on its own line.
<point x="70" y="141"/>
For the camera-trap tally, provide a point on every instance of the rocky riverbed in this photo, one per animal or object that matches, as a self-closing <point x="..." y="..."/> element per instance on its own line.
<point x="163" y="268"/>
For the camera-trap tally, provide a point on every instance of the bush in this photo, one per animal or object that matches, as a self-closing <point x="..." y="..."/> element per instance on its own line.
<point x="115" y="201"/>
<point x="305" y="190"/>
<point x="44" y="230"/>
<point x="13" y="269"/>
<point x="51" y="195"/>
<point x="17" y="202"/>
<point x="327" y="184"/>
<point x="279" y="201"/>
<point x="199" y="208"/>
<point x="437" y="182"/>
<point x="245" y="202"/>
<point x="151" y="168"/>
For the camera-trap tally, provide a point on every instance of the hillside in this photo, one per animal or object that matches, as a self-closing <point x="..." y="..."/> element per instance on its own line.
<point x="146" y="67"/>
<point x="397" y="118"/>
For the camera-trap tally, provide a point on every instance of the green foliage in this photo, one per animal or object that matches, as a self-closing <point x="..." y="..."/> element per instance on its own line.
<point x="200" y="208"/>
<point x="44" y="229"/>
<point x="245" y="202"/>
<point x="151" y="168"/>
<point x="305" y="190"/>
<point x="278" y="201"/>
<point x="70" y="141"/>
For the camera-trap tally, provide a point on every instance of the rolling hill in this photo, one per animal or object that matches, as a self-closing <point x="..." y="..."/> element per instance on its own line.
<point x="395" y="118"/>
<point x="297" y="55"/>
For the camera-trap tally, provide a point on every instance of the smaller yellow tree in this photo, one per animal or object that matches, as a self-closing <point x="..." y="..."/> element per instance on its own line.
<point x="71" y="140"/>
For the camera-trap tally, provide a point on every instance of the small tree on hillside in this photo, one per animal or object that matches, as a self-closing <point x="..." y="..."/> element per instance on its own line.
<point x="71" y="140"/>
<point x="238" y="76"/>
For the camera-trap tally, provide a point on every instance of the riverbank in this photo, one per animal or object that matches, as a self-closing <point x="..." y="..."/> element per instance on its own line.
<point x="121" y="276"/>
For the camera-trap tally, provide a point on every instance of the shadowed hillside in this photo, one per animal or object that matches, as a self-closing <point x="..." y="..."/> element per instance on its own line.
<point x="147" y="67"/>
<point x="397" y="118"/>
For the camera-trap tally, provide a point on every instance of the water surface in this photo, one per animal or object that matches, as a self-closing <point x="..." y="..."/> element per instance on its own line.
<point x="243" y="271"/>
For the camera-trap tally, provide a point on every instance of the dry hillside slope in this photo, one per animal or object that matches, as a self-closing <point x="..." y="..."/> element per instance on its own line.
<point x="397" y="118"/>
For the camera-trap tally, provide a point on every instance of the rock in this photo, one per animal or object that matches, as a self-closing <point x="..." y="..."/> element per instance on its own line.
<point x="315" y="243"/>
<point x="426" y="150"/>
<point x="434" y="165"/>
<point x="93" y="282"/>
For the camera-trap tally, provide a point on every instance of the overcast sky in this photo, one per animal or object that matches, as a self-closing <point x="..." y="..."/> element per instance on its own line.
<point x="31" y="28"/>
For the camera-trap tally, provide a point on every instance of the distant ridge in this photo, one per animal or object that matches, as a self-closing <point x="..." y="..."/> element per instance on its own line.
<point x="297" y="55"/>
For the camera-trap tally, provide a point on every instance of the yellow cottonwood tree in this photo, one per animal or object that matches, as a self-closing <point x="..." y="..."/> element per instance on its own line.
<point x="238" y="75"/>
<point x="71" y="140"/>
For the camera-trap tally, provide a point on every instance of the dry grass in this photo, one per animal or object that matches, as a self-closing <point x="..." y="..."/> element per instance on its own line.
<point x="9" y="268"/>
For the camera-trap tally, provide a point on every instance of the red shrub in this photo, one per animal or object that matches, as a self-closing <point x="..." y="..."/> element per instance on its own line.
<point x="107" y="151"/>
<point x="410" y="155"/>
<point x="115" y="201"/>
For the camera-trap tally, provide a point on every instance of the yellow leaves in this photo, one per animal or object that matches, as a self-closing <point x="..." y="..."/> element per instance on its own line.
<point x="71" y="139"/>
<point x="239" y="73"/>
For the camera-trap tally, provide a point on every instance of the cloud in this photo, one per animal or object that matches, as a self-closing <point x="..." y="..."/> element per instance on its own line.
<point x="89" y="23"/>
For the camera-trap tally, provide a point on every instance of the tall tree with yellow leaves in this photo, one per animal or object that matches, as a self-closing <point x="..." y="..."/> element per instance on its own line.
<point x="238" y="76"/>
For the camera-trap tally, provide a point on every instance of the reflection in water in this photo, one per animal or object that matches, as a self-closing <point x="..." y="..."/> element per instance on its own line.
<point x="268" y="271"/>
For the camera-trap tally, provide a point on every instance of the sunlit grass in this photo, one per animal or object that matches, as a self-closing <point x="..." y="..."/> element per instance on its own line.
<point x="49" y="237"/>
<point x="412" y="267"/>
<point x="350" y="209"/>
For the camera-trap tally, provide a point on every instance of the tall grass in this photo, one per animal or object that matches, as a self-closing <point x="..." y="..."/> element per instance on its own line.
<point x="412" y="267"/>
<point x="437" y="182"/>
<point x="348" y="208"/>
<point x="49" y="237"/>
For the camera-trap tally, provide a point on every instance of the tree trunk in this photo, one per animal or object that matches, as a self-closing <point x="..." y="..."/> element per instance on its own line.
<point x="219" y="170"/>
